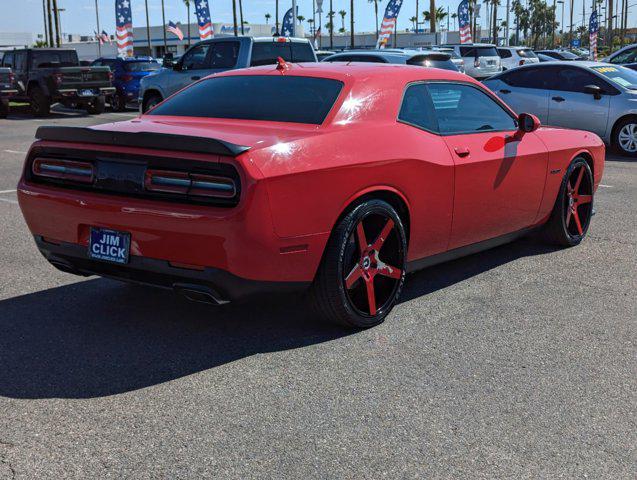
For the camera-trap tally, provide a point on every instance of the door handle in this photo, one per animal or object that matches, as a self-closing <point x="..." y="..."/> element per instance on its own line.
<point x="462" y="151"/>
<point x="505" y="91"/>
<point x="557" y="99"/>
<point x="195" y="78"/>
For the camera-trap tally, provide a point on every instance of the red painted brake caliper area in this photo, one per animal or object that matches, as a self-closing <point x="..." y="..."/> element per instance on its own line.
<point x="370" y="264"/>
<point x="575" y="199"/>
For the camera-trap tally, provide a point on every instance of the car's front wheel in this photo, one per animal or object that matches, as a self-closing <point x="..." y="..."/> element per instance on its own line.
<point x="363" y="267"/>
<point x="150" y="102"/>
<point x="118" y="103"/>
<point x="625" y="137"/>
<point x="40" y="103"/>
<point x="573" y="208"/>
<point x="96" y="106"/>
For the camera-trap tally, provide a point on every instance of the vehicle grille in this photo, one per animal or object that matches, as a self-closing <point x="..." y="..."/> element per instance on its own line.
<point x="193" y="181"/>
<point x="85" y="79"/>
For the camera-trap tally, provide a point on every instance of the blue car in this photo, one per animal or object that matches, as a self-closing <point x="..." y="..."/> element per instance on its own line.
<point x="127" y="73"/>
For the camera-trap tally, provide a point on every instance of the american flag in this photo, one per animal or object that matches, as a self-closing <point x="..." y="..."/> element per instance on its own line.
<point x="106" y="38"/>
<point x="389" y="22"/>
<point x="203" y="19"/>
<point x="124" y="28"/>
<point x="593" y="30"/>
<point x="287" y="26"/>
<point x="99" y="37"/>
<point x="175" y="30"/>
<point x="463" y="22"/>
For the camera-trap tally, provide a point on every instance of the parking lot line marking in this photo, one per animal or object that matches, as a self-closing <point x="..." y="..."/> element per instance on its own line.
<point x="14" y="202"/>
<point x="8" y="191"/>
<point x="605" y="186"/>
<point x="17" y="152"/>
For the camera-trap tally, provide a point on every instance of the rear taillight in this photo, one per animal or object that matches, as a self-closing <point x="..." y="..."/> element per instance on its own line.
<point x="521" y="62"/>
<point x="193" y="184"/>
<point x="63" y="170"/>
<point x="111" y="77"/>
<point x="58" y="78"/>
<point x="11" y="78"/>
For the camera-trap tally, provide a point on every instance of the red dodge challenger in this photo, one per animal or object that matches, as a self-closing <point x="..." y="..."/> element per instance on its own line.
<point x="337" y="178"/>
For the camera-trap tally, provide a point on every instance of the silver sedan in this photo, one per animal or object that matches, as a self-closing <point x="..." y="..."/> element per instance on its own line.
<point x="597" y="97"/>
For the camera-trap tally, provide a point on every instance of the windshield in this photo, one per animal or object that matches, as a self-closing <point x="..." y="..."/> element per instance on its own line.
<point x="568" y="55"/>
<point x="622" y="76"/>
<point x="478" y="52"/>
<point x="526" y="53"/>
<point x="256" y="97"/>
<point x="141" y="66"/>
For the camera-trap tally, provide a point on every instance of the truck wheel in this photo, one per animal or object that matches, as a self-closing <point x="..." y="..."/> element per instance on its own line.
<point x="4" y="110"/>
<point x="118" y="103"/>
<point x="150" y="102"/>
<point x="40" y="103"/>
<point x="96" y="106"/>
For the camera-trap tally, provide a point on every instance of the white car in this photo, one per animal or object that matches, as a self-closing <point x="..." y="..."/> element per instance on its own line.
<point x="481" y="60"/>
<point x="516" y="56"/>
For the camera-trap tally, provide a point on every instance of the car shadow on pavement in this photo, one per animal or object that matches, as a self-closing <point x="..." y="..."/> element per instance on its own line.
<point x="100" y="337"/>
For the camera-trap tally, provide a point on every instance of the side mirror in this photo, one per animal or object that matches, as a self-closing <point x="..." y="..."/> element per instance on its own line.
<point x="528" y="122"/>
<point x="177" y="67"/>
<point x="168" y="61"/>
<point x="594" y="90"/>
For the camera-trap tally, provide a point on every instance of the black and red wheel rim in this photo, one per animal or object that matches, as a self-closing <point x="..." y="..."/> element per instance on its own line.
<point x="578" y="201"/>
<point x="373" y="264"/>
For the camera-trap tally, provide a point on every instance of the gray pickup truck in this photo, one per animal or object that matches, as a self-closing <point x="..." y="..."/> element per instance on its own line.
<point x="45" y="76"/>
<point x="218" y="55"/>
<point x="7" y="90"/>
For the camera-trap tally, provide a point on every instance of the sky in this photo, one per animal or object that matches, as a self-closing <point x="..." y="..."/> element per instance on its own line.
<point x="79" y="16"/>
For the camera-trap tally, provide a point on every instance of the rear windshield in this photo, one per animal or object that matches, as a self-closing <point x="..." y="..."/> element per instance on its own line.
<point x="266" y="53"/>
<point x="256" y="97"/>
<point x="526" y="53"/>
<point x="141" y="66"/>
<point x="51" y="58"/>
<point x="433" y="60"/>
<point x="478" y="52"/>
<point x="567" y="55"/>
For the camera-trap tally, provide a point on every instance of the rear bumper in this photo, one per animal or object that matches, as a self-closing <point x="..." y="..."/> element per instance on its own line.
<point x="74" y="92"/>
<point x="210" y="285"/>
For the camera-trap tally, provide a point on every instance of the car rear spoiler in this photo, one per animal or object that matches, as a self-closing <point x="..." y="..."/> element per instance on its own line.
<point x="157" y="141"/>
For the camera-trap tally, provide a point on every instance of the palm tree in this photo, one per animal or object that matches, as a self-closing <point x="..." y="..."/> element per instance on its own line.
<point x="454" y="16"/>
<point x="432" y="19"/>
<point x="267" y="18"/>
<point x="330" y="24"/>
<point x="187" y="3"/>
<point x="375" y="2"/>
<point x="310" y="22"/>
<point x="342" y="13"/>
<point x="413" y="21"/>
<point x="439" y="14"/>
<point x="494" y="9"/>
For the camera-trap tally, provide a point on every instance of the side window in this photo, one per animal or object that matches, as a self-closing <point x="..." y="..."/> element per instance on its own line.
<point x="8" y="60"/>
<point x="302" y="52"/>
<point x="417" y="108"/>
<point x="528" y="77"/>
<point x="627" y="56"/>
<point x="466" y="109"/>
<point x="575" y="79"/>
<point x="21" y="61"/>
<point x="195" y="58"/>
<point x="224" y="54"/>
<point x="504" y="53"/>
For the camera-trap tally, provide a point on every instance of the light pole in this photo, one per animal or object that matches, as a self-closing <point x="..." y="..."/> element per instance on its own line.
<point x="562" y="22"/>
<point x="59" y="24"/>
<point x="163" y="27"/>
<point x="99" y="32"/>
<point x="150" y="48"/>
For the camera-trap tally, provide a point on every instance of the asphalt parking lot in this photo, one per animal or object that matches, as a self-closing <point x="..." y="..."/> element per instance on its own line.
<point x="518" y="362"/>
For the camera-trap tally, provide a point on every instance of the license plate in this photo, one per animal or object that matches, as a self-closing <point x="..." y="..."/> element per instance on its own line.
<point x="109" y="245"/>
<point x="86" y="93"/>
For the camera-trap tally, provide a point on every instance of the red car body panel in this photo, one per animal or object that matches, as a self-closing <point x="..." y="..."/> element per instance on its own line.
<point x="297" y="180"/>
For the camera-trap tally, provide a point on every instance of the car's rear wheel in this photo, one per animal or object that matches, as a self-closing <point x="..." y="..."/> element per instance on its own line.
<point x="40" y="103"/>
<point x="118" y="103"/>
<point x="150" y="102"/>
<point x="363" y="267"/>
<point x="625" y="137"/>
<point x="96" y="106"/>
<point x="573" y="208"/>
<point x="4" y="110"/>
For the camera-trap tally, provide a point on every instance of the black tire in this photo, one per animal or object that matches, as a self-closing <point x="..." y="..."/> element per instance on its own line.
<point x="624" y="140"/>
<point x="4" y="110"/>
<point x="571" y="216"/>
<point x="40" y="103"/>
<point x="96" y="106"/>
<point x="347" y="261"/>
<point x="150" y="102"/>
<point x="118" y="103"/>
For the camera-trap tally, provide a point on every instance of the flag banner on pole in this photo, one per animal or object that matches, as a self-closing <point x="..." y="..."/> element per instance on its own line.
<point x="317" y="34"/>
<point x="593" y="30"/>
<point x="175" y="30"/>
<point x="106" y="37"/>
<point x="463" y="22"/>
<point x="319" y="6"/>
<point x="124" y="28"/>
<point x="98" y="37"/>
<point x="203" y="19"/>
<point x="389" y="22"/>
<point x="287" y="26"/>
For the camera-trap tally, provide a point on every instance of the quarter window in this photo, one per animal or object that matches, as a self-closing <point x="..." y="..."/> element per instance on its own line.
<point x="504" y="53"/>
<point x="466" y="109"/>
<point x="417" y="108"/>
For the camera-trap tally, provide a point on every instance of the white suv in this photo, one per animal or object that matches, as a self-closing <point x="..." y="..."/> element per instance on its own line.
<point x="481" y="60"/>
<point x="515" y="56"/>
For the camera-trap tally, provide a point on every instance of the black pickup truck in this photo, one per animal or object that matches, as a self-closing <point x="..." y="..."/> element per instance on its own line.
<point x="45" y="76"/>
<point x="7" y="90"/>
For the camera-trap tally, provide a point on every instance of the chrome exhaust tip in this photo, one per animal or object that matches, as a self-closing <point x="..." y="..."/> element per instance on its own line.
<point x="199" y="294"/>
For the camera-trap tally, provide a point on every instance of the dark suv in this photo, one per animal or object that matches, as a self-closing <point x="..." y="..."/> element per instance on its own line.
<point x="46" y="76"/>
<point x="218" y="55"/>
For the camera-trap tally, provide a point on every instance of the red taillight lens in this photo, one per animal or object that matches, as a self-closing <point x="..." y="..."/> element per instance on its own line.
<point x="111" y="77"/>
<point x="63" y="169"/>
<point x="521" y="62"/>
<point x="189" y="184"/>
<point x="11" y="79"/>
<point x="125" y="78"/>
